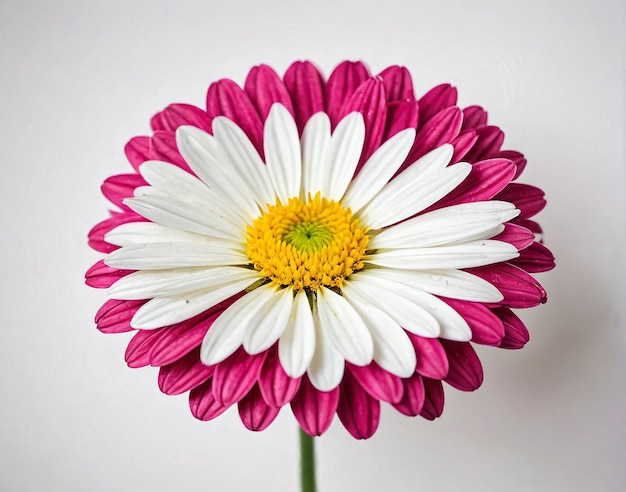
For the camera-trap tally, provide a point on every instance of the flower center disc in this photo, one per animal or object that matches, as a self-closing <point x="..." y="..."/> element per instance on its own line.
<point x="306" y="244"/>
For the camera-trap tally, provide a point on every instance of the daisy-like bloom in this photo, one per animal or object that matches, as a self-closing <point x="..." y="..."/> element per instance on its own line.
<point x="324" y="244"/>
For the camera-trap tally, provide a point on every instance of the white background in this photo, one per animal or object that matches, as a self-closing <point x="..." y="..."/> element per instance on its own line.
<point x="78" y="79"/>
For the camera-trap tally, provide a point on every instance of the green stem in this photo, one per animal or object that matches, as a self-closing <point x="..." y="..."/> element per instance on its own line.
<point x="307" y="462"/>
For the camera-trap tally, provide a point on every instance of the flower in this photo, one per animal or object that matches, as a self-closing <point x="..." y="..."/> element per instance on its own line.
<point x="327" y="244"/>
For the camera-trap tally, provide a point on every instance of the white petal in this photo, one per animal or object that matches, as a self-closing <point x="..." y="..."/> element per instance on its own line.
<point x="161" y="256"/>
<point x="205" y="158"/>
<point x="416" y="188"/>
<point x="454" y="224"/>
<point x="464" y="255"/>
<point x="327" y="365"/>
<point x="147" y="284"/>
<point x="270" y="320"/>
<point x="164" y="311"/>
<point x="282" y="152"/>
<point x="345" y="328"/>
<point x="184" y="216"/>
<point x="344" y="152"/>
<point x="316" y="170"/>
<point x="393" y="351"/>
<point x="149" y="232"/>
<point x="455" y="284"/>
<point x="297" y="343"/>
<point x="409" y="315"/>
<point x="378" y="170"/>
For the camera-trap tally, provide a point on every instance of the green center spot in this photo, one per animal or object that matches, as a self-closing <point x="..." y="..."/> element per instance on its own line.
<point x="308" y="236"/>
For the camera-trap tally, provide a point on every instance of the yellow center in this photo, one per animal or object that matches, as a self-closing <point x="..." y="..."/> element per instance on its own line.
<point x="306" y="245"/>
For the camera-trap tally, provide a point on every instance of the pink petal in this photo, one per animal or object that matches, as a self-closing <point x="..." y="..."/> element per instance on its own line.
<point x="358" y="411"/>
<point x="102" y="276"/>
<point x="433" y="400"/>
<point x="306" y="87"/>
<point x="369" y="100"/>
<point x="442" y="128"/>
<point x="466" y="372"/>
<point x="313" y="409"/>
<point x="484" y="181"/>
<point x="341" y="85"/>
<point x="400" y="116"/>
<point x="226" y="98"/>
<point x="398" y="83"/>
<point x="462" y="144"/>
<point x="264" y="88"/>
<point x="121" y="186"/>
<point x="235" y="376"/>
<point x="176" y="115"/>
<point x="276" y="387"/>
<point x="114" y="316"/>
<point x="531" y="225"/>
<point x="380" y="384"/>
<point x="487" y="329"/>
<point x="487" y="144"/>
<point x="255" y="414"/>
<point x="436" y="100"/>
<point x="203" y="404"/>
<point x="432" y="361"/>
<point x="137" y="151"/>
<point x="519" y="289"/>
<point x="518" y="236"/>
<point x="516" y="333"/>
<point x="535" y="258"/>
<point x="184" y="374"/>
<point x="413" y="397"/>
<point x="97" y="233"/>
<point x="163" y="148"/>
<point x="474" y="117"/>
<point x="529" y="199"/>
<point x="140" y="346"/>
<point x="518" y="159"/>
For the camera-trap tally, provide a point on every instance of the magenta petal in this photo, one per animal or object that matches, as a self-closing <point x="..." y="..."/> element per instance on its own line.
<point x="121" y="186"/>
<point x="137" y="151"/>
<point x="203" y="404"/>
<point x="516" y="333"/>
<point x="520" y="290"/>
<point x="518" y="236"/>
<point x="97" y="233"/>
<point x="487" y="329"/>
<point x="264" y="88"/>
<point x="341" y="85"/>
<point x="255" y="414"/>
<point x="226" y="98"/>
<point x="535" y="258"/>
<point x="380" y="384"/>
<point x="358" y="411"/>
<point x="462" y="144"/>
<point x="306" y="87"/>
<point x="102" y="276"/>
<point x="140" y="346"/>
<point x="433" y="399"/>
<point x="487" y="144"/>
<point x="163" y="148"/>
<point x="518" y="159"/>
<point x="114" y="316"/>
<point x="432" y="361"/>
<point x="436" y="100"/>
<point x="180" y="339"/>
<point x="313" y="409"/>
<point x="400" y="116"/>
<point x="184" y="374"/>
<point x="529" y="199"/>
<point x="531" y="225"/>
<point x="466" y="371"/>
<point x="474" y="117"/>
<point x="442" y="128"/>
<point x="235" y="376"/>
<point x="176" y="115"/>
<point x="484" y="181"/>
<point x="275" y="385"/>
<point x="413" y="397"/>
<point x="398" y="83"/>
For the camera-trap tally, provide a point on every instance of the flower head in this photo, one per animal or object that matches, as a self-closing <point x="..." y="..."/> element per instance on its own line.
<point x="327" y="244"/>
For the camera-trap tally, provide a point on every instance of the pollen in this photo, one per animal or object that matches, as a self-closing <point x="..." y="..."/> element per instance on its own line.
<point x="306" y="244"/>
